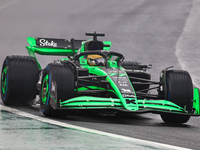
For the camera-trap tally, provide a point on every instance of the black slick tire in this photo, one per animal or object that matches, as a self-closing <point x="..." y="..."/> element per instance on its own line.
<point x="133" y="69"/>
<point x="64" y="77"/>
<point x="133" y="65"/>
<point x="179" y="90"/>
<point x="19" y="78"/>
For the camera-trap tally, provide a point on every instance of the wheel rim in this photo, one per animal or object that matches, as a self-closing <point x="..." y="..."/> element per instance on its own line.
<point x="45" y="89"/>
<point x="4" y="81"/>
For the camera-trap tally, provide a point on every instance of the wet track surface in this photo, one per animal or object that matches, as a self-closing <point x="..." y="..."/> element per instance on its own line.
<point x="21" y="130"/>
<point x="158" y="32"/>
<point x="22" y="133"/>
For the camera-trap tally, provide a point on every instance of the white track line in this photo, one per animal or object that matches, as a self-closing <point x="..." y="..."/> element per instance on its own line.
<point x="8" y="4"/>
<point x="61" y="124"/>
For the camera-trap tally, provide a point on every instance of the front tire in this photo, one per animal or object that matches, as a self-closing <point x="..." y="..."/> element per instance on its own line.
<point x="174" y="118"/>
<point x="179" y="90"/>
<point x="64" y="77"/>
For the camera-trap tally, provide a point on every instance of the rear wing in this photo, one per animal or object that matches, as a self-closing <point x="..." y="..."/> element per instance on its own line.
<point x="57" y="47"/>
<point x="50" y="46"/>
<point x="54" y="43"/>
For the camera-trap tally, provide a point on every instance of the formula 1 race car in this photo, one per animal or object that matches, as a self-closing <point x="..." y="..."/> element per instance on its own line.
<point x="92" y="77"/>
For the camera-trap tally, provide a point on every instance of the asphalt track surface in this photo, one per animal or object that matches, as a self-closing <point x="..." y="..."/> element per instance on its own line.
<point x="159" y="32"/>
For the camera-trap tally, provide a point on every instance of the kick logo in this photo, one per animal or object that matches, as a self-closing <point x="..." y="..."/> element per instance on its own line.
<point x="44" y="42"/>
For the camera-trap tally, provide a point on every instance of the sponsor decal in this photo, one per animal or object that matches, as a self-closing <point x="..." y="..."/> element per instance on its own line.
<point x="44" y="42"/>
<point x="128" y="95"/>
<point x="126" y="91"/>
<point x="123" y="84"/>
<point x="53" y="43"/>
<point x="130" y="101"/>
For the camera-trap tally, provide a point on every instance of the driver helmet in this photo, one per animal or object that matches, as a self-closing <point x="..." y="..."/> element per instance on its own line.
<point x="95" y="60"/>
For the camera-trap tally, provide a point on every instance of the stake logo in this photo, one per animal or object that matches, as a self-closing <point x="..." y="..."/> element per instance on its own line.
<point x="44" y="42"/>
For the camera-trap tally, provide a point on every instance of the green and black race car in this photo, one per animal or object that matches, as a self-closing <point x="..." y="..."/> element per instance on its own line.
<point x="91" y="77"/>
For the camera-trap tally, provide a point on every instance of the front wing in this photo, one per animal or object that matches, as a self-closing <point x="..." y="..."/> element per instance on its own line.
<point x="133" y="105"/>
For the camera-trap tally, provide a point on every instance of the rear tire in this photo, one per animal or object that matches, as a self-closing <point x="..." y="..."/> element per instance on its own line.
<point x="64" y="77"/>
<point x="133" y="69"/>
<point x="19" y="78"/>
<point x="179" y="90"/>
<point x="132" y="65"/>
